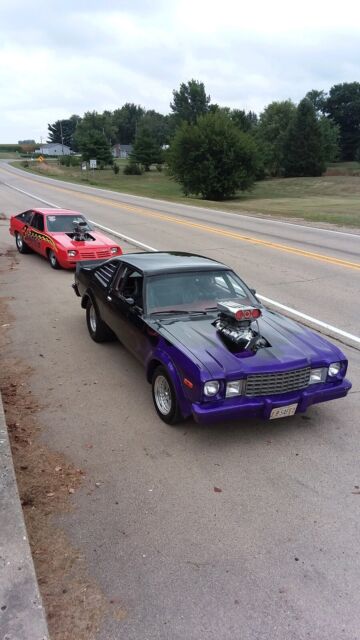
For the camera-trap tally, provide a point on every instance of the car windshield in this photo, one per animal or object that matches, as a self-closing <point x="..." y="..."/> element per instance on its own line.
<point x="194" y="291"/>
<point x="65" y="222"/>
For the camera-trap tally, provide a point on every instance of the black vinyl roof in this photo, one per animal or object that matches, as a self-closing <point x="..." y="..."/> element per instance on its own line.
<point x="157" y="262"/>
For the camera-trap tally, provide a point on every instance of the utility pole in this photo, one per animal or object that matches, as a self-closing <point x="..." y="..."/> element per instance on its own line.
<point x="62" y="138"/>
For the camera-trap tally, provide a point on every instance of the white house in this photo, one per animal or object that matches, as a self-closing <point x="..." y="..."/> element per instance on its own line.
<point x="54" y="149"/>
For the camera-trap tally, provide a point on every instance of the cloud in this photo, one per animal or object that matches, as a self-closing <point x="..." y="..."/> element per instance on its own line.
<point x="90" y="55"/>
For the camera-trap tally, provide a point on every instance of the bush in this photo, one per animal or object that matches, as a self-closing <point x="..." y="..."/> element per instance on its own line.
<point x="25" y="163"/>
<point x="116" y="168"/>
<point x="159" y="167"/>
<point x="75" y="161"/>
<point x="65" y="161"/>
<point x="132" y="169"/>
<point x="213" y="157"/>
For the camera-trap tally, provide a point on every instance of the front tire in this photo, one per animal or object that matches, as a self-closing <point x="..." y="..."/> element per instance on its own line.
<point x="164" y="397"/>
<point x="21" y="245"/>
<point x="54" y="263"/>
<point x="98" y="330"/>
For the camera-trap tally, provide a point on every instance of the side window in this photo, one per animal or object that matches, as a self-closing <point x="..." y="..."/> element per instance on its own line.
<point x="119" y="278"/>
<point x="131" y="286"/>
<point x="38" y="222"/>
<point x="25" y="217"/>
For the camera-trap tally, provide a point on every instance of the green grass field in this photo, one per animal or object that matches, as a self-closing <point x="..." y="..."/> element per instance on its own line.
<point x="329" y="199"/>
<point x="8" y="155"/>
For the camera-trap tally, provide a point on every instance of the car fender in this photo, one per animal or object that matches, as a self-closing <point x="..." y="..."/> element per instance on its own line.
<point x="163" y="358"/>
<point x="88" y="295"/>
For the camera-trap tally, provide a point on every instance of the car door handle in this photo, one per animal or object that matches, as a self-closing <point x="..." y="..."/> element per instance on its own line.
<point x="109" y="298"/>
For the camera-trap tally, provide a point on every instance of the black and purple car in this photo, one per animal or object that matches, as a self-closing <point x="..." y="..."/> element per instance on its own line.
<point x="209" y="347"/>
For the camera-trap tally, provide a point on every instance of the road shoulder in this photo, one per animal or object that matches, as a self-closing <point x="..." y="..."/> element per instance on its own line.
<point x="22" y="615"/>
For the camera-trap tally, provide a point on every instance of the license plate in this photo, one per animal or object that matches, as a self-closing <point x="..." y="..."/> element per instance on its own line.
<point x="283" y="412"/>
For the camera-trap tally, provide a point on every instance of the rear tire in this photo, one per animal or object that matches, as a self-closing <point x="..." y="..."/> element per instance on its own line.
<point x="21" y="245"/>
<point x="98" y="330"/>
<point x="54" y="263"/>
<point x="164" y="397"/>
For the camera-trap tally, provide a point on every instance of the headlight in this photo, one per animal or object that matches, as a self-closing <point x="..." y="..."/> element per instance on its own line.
<point x="72" y="253"/>
<point x="113" y="250"/>
<point x="317" y="375"/>
<point x="234" y="388"/>
<point x="211" y="388"/>
<point x="334" y="369"/>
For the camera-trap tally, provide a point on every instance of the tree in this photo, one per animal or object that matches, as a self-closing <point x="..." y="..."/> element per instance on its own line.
<point x="317" y="99"/>
<point x="330" y="134"/>
<point x="304" y="154"/>
<point x="158" y="124"/>
<point x="244" y="121"/>
<point x="189" y="102"/>
<point x="343" y="106"/>
<point x="93" y="137"/>
<point x="212" y="157"/>
<point x="94" y="145"/>
<point x="271" y="134"/>
<point x="63" y="131"/>
<point x="147" y="150"/>
<point x="126" y="121"/>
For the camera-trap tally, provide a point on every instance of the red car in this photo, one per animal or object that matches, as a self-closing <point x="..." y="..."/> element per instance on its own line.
<point x="60" y="235"/>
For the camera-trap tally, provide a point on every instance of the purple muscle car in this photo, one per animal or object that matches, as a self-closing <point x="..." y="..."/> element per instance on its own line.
<point x="209" y="347"/>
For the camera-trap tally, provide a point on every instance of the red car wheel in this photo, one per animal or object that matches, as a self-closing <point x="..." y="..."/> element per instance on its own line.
<point x="21" y="245"/>
<point x="53" y="260"/>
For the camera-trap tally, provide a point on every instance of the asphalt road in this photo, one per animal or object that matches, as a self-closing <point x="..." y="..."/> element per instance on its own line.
<point x="275" y="554"/>
<point x="314" y="270"/>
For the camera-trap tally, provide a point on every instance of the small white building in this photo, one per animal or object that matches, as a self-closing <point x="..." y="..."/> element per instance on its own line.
<point x="54" y="149"/>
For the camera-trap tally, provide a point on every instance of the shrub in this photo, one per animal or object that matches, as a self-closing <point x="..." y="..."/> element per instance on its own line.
<point x="132" y="169"/>
<point x="213" y="157"/>
<point x="116" y="168"/>
<point x="159" y="167"/>
<point x="25" y="163"/>
<point x="64" y="161"/>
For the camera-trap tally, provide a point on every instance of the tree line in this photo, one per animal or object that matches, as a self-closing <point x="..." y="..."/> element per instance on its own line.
<point x="214" y="151"/>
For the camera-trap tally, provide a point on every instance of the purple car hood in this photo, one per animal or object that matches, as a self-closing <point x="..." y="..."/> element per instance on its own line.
<point x="292" y="346"/>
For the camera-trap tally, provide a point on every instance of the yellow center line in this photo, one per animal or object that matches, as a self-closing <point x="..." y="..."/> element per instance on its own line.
<point x="205" y="227"/>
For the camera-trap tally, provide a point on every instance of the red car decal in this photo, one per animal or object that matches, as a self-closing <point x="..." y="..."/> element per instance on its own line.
<point x="38" y="235"/>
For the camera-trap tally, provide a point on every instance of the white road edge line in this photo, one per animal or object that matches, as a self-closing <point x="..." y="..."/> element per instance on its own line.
<point x="31" y="195"/>
<point x="43" y="179"/>
<point x="137" y="243"/>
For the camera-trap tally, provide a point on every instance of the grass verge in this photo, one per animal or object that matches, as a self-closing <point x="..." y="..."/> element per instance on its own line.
<point x="333" y="199"/>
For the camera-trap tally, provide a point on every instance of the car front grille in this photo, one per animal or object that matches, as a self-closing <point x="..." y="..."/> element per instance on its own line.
<point x="266" y="384"/>
<point x="90" y="255"/>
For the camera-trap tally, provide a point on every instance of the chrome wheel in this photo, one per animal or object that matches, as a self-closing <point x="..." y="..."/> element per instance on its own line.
<point x="92" y="318"/>
<point x="162" y="395"/>
<point x="19" y="241"/>
<point x="53" y="260"/>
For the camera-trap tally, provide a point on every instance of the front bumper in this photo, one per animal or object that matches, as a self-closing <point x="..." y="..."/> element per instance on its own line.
<point x="261" y="407"/>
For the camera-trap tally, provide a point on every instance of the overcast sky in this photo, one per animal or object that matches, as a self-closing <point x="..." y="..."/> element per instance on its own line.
<point x="59" y="58"/>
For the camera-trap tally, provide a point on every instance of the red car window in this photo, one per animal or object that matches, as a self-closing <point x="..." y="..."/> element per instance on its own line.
<point x="38" y="222"/>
